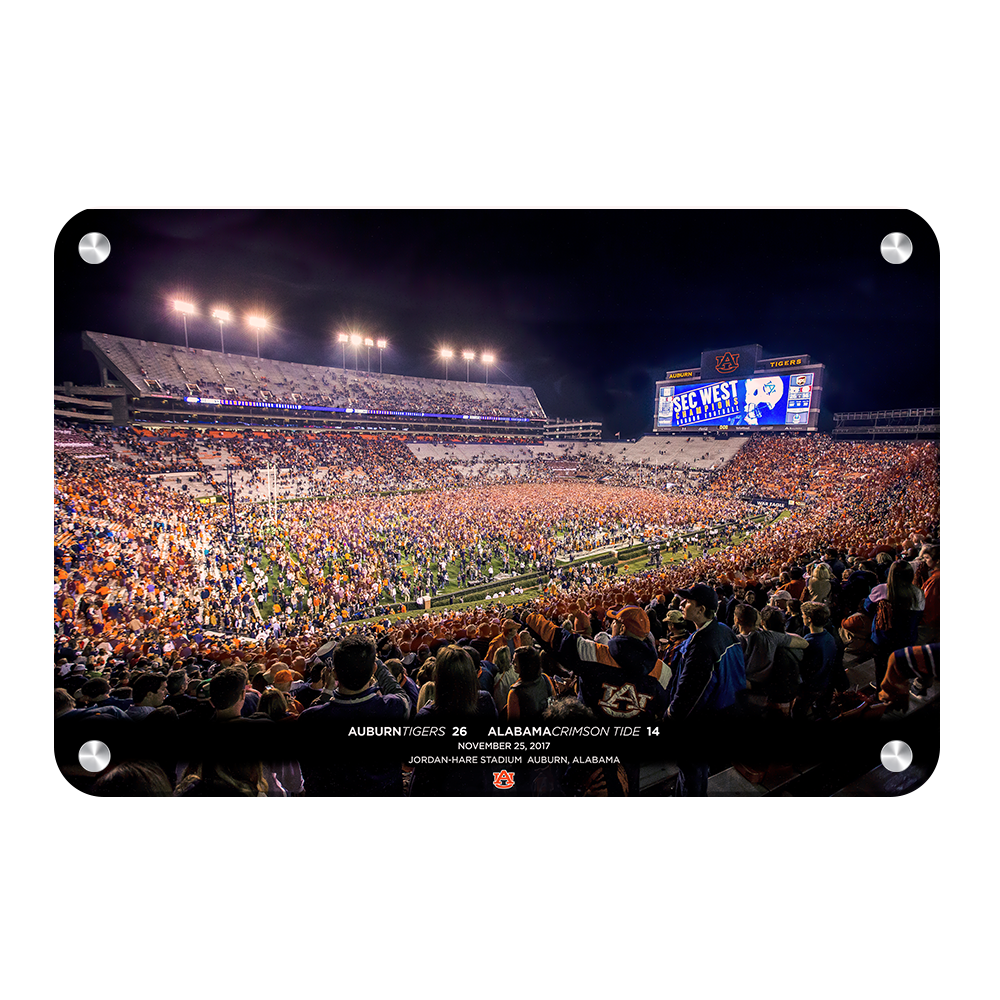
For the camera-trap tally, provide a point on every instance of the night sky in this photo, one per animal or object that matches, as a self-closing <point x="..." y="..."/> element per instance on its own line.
<point x="588" y="307"/>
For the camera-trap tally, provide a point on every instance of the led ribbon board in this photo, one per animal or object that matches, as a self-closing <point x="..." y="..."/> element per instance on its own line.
<point x="347" y="409"/>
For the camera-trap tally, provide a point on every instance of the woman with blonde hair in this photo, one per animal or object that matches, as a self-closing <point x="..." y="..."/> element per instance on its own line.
<point x="425" y="695"/>
<point x="819" y="586"/>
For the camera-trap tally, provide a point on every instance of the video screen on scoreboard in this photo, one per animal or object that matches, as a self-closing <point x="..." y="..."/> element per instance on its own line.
<point x="762" y="401"/>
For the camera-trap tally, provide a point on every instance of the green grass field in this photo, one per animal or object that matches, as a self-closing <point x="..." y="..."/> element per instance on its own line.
<point x="626" y="568"/>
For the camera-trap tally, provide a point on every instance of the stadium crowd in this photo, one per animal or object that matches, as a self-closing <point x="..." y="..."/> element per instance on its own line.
<point x="162" y="611"/>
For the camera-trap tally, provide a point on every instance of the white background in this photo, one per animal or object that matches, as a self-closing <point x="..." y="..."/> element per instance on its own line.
<point x="540" y="104"/>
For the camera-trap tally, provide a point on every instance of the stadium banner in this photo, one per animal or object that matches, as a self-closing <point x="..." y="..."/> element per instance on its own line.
<point x="770" y="400"/>
<point x="733" y="362"/>
<point x="770" y="501"/>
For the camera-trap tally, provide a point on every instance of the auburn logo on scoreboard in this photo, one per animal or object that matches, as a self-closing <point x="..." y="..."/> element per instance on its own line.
<point x="726" y="363"/>
<point x="503" y="779"/>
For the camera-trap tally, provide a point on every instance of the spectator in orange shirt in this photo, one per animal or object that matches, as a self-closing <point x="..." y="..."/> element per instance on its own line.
<point x="795" y="584"/>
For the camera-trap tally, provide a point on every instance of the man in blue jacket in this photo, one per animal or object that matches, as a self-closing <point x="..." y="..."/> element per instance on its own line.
<point x="710" y="672"/>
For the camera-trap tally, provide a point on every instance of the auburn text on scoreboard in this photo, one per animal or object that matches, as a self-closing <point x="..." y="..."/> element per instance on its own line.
<point x="707" y="402"/>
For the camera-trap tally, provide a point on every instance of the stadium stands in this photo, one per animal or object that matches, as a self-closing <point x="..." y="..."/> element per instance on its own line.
<point x="69" y="441"/>
<point x="684" y="452"/>
<point x="152" y="369"/>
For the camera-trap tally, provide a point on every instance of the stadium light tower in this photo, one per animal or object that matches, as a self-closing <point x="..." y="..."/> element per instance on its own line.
<point x="355" y="342"/>
<point x="447" y="353"/>
<point x="185" y="309"/>
<point x="381" y="345"/>
<point x="222" y="315"/>
<point x="257" y="322"/>
<point x="468" y="355"/>
<point x="488" y="359"/>
<point x="369" y="343"/>
<point x="342" y="339"/>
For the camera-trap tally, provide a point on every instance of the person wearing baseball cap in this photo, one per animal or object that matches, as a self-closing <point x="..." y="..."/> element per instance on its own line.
<point x="507" y="636"/>
<point x="709" y="673"/>
<point x="702" y="595"/>
<point x="678" y="629"/>
<point x="633" y="621"/>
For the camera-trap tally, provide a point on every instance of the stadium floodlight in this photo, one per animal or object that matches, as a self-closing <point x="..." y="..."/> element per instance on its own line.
<point x="381" y="345"/>
<point x="369" y="343"/>
<point x="257" y="322"/>
<point x="468" y="355"/>
<point x="342" y="339"/>
<point x="488" y="359"/>
<point x="222" y="315"/>
<point x="185" y="309"/>
<point x="355" y="343"/>
<point x="447" y="353"/>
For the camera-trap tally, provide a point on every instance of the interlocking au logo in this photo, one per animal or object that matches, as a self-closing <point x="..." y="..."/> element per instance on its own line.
<point x="726" y="363"/>
<point x="503" y="779"/>
<point x="623" y="701"/>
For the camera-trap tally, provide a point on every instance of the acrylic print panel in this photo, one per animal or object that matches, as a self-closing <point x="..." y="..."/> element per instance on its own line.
<point x="496" y="503"/>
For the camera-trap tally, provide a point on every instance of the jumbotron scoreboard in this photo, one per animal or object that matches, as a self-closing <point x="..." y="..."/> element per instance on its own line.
<point x="736" y="388"/>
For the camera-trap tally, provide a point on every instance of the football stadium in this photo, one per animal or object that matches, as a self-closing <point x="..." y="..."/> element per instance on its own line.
<point x="338" y="573"/>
